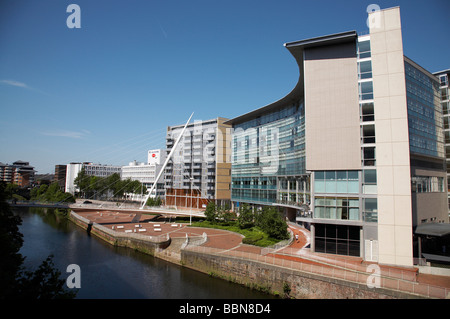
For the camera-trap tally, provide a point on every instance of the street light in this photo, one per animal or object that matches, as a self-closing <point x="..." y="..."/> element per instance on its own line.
<point x="190" y="213"/>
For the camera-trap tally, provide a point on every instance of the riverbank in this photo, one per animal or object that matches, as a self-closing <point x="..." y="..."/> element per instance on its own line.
<point x="111" y="272"/>
<point x="277" y="270"/>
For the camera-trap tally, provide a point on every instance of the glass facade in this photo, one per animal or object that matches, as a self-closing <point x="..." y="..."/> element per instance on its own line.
<point x="265" y="147"/>
<point x="427" y="184"/>
<point x="340" y="208"/>
<point x="336" y="182"/>
<point x="337" y="239"/>
<point x="424" y="113"/>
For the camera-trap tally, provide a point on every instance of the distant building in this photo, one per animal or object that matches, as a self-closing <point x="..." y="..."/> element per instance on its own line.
<point x="146" y="173"/>
<point x="200" y="169"/>
<point x="72" y="171"/>
<point x="101" y="170"/>
<point x="60" y="175"/>
<point x="90" y="169"/>
<point x="19" y="173"/>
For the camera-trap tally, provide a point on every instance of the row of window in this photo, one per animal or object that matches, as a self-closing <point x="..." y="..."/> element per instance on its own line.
<point x="427" y="184"/>
<point x="346" y="208"/>
<point x="253" y="195"/>
<point x="345" y="182"/>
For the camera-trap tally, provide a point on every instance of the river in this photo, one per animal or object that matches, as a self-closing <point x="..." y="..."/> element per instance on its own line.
<point x="109" y="272"/>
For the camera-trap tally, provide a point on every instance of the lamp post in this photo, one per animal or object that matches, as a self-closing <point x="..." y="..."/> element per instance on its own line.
<point x="192" y="198"/>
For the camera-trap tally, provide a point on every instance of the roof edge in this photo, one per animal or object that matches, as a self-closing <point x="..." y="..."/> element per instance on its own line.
<point x="322" y="40"/>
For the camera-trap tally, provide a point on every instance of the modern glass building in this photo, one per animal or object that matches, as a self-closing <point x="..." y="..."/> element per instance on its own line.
<point x="355" y="152"/>
<point x="268" y="157"/>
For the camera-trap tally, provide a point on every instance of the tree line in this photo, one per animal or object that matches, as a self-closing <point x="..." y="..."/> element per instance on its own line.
<point x="112" y="186"/>
<point x="51" y="193"/>
<point x="17" y="282"/>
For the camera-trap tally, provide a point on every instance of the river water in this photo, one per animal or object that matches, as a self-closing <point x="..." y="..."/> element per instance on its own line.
<point x="110" y="272"/>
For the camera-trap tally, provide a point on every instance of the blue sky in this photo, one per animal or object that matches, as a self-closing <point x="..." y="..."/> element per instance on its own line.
<point x="107" y="92"/>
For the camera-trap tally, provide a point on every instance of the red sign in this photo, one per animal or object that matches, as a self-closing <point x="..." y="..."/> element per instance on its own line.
<point x="153" y="155"/>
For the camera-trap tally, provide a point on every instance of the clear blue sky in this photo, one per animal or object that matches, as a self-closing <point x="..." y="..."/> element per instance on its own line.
<point x="107" y="92"/>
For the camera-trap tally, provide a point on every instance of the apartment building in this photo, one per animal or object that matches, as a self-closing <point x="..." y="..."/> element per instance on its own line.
<point x="60" y="175"/>
<point x="199" y="170"/>
<point x="19" y="173"/>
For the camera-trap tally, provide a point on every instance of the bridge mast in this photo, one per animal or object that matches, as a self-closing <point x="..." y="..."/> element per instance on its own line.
<point x="165" y="163"/>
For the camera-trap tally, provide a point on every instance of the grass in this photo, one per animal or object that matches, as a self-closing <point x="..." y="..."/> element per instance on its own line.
<point x="253" y="235"/>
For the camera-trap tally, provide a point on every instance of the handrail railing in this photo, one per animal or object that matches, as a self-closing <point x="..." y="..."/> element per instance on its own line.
<point x="391" y="280"/>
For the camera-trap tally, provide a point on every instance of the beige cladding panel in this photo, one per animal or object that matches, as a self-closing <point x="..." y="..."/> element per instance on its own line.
<point x="223" y="194"/>
<point x="223" y="144"/>
<point x="331" y="108"/>
<point x="223" y="179"/>
<point x="391" y="133"/>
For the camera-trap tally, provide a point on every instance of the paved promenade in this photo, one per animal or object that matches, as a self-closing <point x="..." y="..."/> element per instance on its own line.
<point x="296" y="255"/>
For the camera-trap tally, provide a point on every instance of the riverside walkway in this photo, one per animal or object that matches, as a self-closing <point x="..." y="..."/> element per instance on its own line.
<point x="294" y="254"/>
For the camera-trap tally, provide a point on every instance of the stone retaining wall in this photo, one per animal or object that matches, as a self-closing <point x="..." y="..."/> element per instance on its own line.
<point x="140" y="244"/>
<point x="254" y="274"/>
<point x="277" y="280"/>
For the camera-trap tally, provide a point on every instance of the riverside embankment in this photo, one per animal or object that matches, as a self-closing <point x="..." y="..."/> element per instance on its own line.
<point x="282" y="270"/>
<point x="111" y="272"/>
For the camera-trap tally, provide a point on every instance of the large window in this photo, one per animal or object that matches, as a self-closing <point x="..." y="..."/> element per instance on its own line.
<point x="367" y="112"/>
<point x="341" y="208"/>
<point x="365" y="69"/>
<point x="365" y="90"/>
<point x="337" y="239"/>
<point x="264" y="147"/>
<point x="364" y="49"/>
<point x="427" y="184"/>
<point x="443" y="80"/>
<point x="425" y="121"/>
<point x="370" y="181"/>
<point x="336" y="182"/>
<point x="370" y="210"/>
<point x="368" y="156"/>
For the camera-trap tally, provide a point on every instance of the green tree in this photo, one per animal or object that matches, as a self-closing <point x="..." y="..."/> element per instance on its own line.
<point x="15" y="281"/>
<point x="246" y="217"/>
<point x="154" y="201"/>
<point x="271" y="222"/>
<point x="42" y="190"/>
<point x="83" y="182"/>
<point x="52" y="193"/>
<point x="94" y="183"/>
<point x="11" y="240"/>
<point x="211" y="212"/>
<point x="224" y="214"/>
<point x="10" y="190"/>
<point x="115" y="185"/>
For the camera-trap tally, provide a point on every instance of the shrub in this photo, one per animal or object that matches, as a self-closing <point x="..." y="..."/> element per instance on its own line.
<point x="271" y="222"/>
<point x="246" y="217"/>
